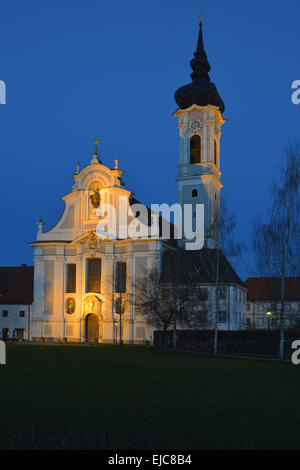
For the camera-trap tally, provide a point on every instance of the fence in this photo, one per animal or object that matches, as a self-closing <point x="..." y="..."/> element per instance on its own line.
<point x="247" y="342"/>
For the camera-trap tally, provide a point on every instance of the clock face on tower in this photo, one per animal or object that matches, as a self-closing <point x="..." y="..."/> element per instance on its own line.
<point x="195" y="125"/>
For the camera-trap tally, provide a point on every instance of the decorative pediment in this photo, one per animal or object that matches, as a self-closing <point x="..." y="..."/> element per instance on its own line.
<point x="93" y="238"/>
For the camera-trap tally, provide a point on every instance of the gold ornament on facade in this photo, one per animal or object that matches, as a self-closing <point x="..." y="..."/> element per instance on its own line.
<point x="96" y="143"/>
<point x="92" y="305"/>
<point x="70" y="305"/>
<point x="93" y="242"/>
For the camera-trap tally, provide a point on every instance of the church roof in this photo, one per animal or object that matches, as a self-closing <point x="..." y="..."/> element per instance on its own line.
<point x="161" y="219"/>
<point x="201" y="90"/>
<point x="269" y="288"/>
<point x="198" y="267"/>
<point x="16" y="285"/>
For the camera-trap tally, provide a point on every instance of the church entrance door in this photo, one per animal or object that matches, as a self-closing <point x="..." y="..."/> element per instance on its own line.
<point x="92" y="328"/>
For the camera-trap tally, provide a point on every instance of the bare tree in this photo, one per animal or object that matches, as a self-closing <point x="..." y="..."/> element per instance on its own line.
<point x="224" y="225"/>
<point x="276" y="240"/>
<point x="164" y="299"/>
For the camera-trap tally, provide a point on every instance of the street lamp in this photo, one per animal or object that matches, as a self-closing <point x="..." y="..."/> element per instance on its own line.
<point x="269" y="317"/>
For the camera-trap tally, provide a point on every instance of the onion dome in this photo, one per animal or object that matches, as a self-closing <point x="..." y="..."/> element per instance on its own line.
<point x="201" y="90"/>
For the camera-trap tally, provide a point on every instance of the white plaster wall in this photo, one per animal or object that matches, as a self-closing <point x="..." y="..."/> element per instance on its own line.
<point x="13" y="320"/>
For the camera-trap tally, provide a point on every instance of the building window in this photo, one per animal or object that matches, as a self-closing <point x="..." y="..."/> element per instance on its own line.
<point x="195" y="149"/>
<point x="19" y="333"/>
<point x="200" y="319"/>
<point x="195" y="193"/>
<point x="5" y="313"/>
<point x="203" y="293"/>
<point x="248" y="307"/>
<point x="120" y="279"/>
<point x="260" y="321"/>
<point x="222" y="317"/>
<point x="222" y="292"/>
<point x="22" y="313"/>
<point x="94" y="275"/>
<point x="5" y="333"/>
<point x="71" y="279"/>
<point x="215" y="152"/>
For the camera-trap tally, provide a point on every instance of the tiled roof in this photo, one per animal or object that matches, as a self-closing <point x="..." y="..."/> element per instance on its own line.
<point x="269" y="288"/>
<point x="198" y="267"/>
<point x="16" y="285"/>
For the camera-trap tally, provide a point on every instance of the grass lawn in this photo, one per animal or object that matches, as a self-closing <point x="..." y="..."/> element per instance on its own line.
<point x="64" y="396"/>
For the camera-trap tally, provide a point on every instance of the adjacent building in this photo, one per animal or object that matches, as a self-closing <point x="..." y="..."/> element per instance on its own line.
<point x="16" y="298"/>
<point x="264" y="306"/>
<point x="199" y="269"/>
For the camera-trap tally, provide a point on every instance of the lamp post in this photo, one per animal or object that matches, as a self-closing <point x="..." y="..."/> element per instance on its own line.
<point x="269" y="317"/>
<point x="119" y="308"/>
<point x="121" y="338"/>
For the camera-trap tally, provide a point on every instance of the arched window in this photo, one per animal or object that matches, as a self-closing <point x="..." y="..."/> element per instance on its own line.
<point x="195" y="149"/>
<point x="215" y="152"/>
<point x="195" y="193"/>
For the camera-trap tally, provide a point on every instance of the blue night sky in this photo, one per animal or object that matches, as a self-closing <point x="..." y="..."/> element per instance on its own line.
<point x="80" y="70"/>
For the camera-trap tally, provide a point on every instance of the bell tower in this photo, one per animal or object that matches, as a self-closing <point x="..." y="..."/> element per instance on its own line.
<point x="199" y="122"/>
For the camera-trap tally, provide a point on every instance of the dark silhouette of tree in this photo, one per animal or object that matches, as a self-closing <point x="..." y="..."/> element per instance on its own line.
<point x="224" y="224"/>
<point x="164" y="298"/>
<point x="276" y="239"/>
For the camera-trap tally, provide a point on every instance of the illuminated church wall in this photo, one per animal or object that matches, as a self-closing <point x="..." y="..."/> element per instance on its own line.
<point x="65" y="305"/>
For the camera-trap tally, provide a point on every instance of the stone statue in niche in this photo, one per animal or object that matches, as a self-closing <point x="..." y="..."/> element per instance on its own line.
<point x="92" y="305"/>
<point x="95" y="198"/>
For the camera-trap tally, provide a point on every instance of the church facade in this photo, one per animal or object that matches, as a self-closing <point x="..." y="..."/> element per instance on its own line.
<point x="84" y="279"/>
<point x="86" y="268"/>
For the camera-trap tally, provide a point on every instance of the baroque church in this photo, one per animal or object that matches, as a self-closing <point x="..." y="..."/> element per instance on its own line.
<point x="85" y="279"/>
